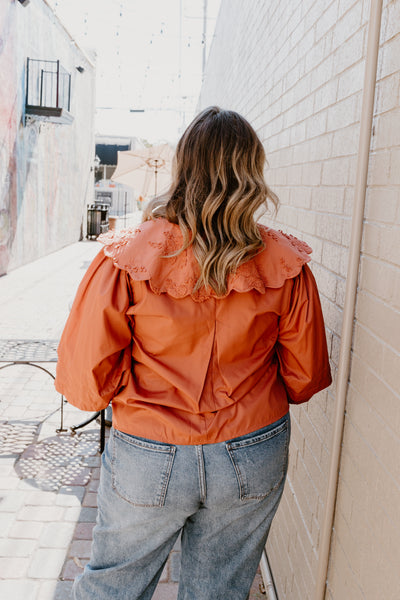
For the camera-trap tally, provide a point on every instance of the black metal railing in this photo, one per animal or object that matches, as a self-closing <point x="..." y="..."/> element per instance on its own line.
<point x="48" y="84"/>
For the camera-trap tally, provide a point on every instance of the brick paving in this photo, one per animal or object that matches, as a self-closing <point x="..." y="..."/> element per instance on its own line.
<point x="48" y="481"/>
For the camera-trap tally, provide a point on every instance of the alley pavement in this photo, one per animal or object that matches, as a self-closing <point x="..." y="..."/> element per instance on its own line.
<point x="49" y="480"/>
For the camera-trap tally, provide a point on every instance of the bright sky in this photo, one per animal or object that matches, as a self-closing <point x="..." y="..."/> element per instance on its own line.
<point x="149" y="56"/>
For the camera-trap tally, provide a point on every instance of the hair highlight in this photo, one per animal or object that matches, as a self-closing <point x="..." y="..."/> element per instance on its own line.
<point x="217" y="186"/>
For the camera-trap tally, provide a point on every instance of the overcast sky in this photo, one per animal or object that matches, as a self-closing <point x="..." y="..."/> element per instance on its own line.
<point x="149" y="56"/>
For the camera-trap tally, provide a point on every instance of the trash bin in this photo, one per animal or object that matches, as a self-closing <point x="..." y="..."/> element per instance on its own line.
<point x="97" y="219"/>
<point x="93" y="221"/>
<point x="104" y="208"/>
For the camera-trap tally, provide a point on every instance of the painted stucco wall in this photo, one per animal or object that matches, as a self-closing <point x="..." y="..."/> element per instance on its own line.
<point x="46" y="179"/>
<point x="295" y="69"/>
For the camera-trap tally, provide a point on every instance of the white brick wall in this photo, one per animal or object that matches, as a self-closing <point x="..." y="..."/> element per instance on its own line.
<point x="295" y="70"/>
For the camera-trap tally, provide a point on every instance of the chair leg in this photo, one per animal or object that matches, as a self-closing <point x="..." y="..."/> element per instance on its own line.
<point x="92" y="418"/>
<point x="61" y="428"/>
<point x="100" y="413"/>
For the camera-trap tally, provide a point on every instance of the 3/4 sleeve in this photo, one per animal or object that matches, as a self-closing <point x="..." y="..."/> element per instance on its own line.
<point x="302" y="349"/>
<point x="94" y="354"/>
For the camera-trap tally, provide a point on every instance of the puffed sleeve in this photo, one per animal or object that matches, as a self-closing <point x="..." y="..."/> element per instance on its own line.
<point x="94" y="354"/>
<point x="302" y="349"/>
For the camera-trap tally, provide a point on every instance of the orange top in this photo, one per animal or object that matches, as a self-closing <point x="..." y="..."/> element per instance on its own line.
<point x="189" y="367"/>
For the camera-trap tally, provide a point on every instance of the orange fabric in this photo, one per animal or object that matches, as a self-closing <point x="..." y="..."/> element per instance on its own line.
<point x="187" y="367"/>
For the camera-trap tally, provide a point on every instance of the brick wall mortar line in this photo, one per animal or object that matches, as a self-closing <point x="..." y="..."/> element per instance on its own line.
<point x="375" y="455"/>
<point x="376" y="375"/>
<point x="300" y="512"/>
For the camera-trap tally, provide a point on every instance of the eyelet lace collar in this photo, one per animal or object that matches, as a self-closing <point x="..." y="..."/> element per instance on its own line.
<point x="143" y="253"/>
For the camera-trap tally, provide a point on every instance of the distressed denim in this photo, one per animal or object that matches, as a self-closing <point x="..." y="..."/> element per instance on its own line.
<point x="220" y="497"/>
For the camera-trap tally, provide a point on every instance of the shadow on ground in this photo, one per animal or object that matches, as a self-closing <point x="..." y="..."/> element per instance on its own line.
<point x="57" y="463"/>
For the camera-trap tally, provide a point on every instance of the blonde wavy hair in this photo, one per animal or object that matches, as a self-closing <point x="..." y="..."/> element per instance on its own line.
<point x="218" y="185"/>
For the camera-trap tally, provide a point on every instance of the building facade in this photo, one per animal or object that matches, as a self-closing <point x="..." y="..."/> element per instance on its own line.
<point x="295" y="69"/>
<point x="46" y="168"/>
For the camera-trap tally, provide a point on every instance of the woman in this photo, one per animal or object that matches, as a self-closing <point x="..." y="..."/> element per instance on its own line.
<point x="201" y="327"/>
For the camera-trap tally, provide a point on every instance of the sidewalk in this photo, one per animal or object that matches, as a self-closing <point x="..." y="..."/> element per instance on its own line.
<point x="48" y="481"/>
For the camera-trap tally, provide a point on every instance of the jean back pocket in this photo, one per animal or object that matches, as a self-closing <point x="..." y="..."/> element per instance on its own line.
<point x="260" y="461"/>
<point x="141" y="469"/>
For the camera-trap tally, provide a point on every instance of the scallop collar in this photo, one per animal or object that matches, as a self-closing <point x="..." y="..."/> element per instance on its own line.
<point x="143" y="253"/>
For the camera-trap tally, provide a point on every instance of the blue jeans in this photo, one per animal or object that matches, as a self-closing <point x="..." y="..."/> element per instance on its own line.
<point x="221" y="497"/>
